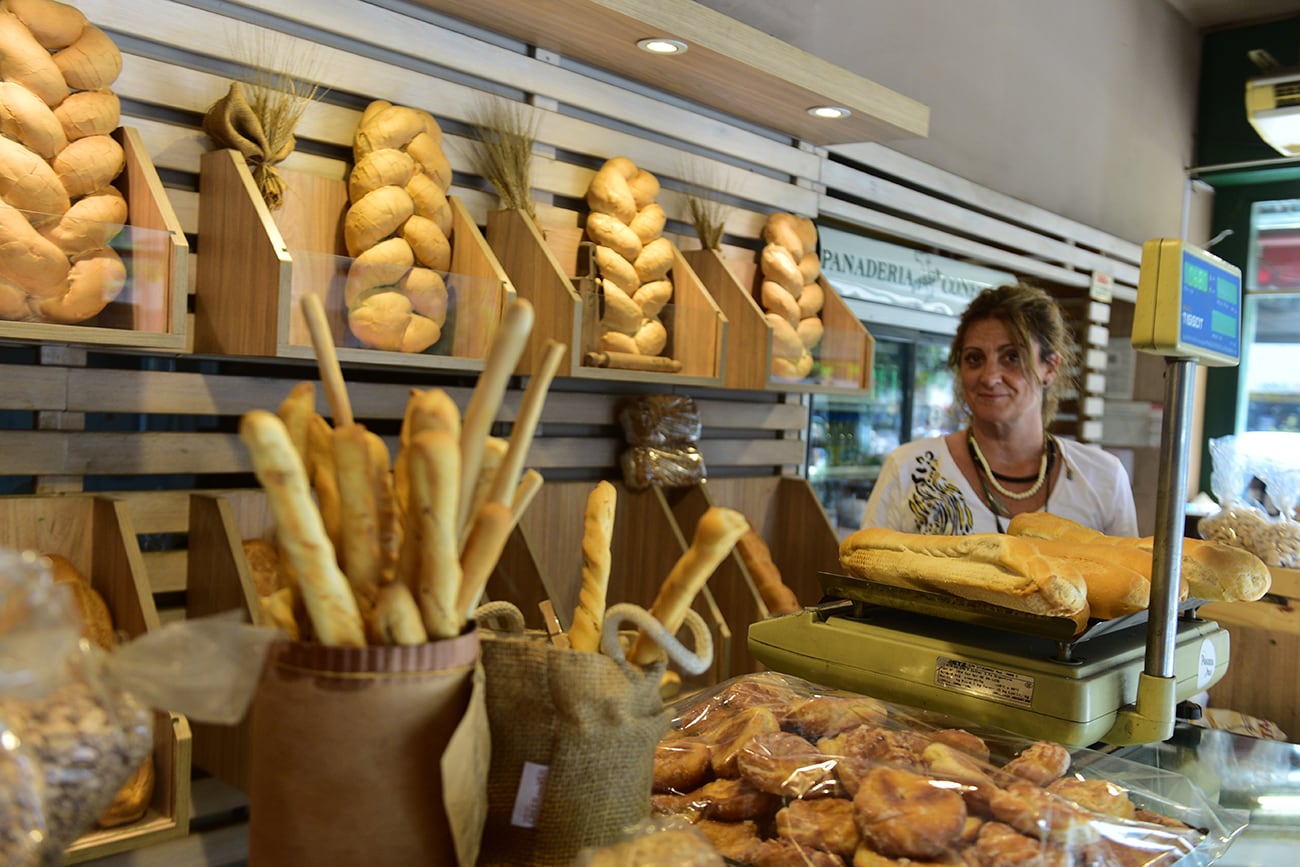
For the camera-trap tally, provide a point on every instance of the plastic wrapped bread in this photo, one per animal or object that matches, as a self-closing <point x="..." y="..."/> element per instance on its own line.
<point x="774" y="769"/>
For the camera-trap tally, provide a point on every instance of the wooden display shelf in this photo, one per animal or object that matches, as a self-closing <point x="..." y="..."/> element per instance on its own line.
<point x="1265" y="637"/>
<point x="256" y="266"/>
<point x="96" y="535"/>
<point x="843" y="360"/>
<point x="553" y="268"/>
<point x="151" y="311"/>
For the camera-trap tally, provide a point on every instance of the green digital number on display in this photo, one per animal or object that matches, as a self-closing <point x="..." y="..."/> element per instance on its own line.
<point x="1196" y="278"/>
<point x="1222" y="323"/>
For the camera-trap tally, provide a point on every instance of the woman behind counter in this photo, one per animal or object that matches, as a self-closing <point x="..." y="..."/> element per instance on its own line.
<point x="1011" y="359"/>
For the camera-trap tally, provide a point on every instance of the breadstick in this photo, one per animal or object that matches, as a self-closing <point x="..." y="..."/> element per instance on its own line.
<point x="529" y="485"/>
<point x="716" y="534"/>
<point x="358" y="511"/>
<point x="335" y="618"/>
<point x="390" y="526"/>
<point x="597" y="533"/>
<point x="776" y="597"/>
<point x="521" y="435"/>
<point x="494" y="452"/>
<point x="435" y="490"/>
<point x="397" y="616"/>
<point x="491" y="529"/>
<point x="327" y="361"/>
<point x="507" y="347"/>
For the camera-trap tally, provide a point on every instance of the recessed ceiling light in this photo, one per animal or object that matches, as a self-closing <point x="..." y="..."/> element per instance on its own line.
<point x="662" y="45"/>
<point x="831" y="112"/>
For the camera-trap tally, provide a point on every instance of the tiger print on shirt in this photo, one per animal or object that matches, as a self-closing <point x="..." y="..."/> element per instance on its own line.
<point x="937" y="504"/>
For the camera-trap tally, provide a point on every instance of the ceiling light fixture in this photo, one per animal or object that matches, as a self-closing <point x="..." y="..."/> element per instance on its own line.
<point x="662" y="45"/>
<point x="830" y="112"/>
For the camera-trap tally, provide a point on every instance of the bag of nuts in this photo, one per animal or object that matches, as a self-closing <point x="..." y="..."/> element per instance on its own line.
<point x="75" y="722"/>
<point x="1256" y="478"/>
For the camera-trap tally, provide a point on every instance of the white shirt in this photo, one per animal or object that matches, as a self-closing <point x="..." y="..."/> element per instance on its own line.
<point x="921" y="490"/>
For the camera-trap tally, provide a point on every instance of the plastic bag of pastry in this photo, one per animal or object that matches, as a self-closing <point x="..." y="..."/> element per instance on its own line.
<point x="76" y="722"/>
<point x="774" y="769"/>
<point x="660" y="419"/>
<point x="672" y="467"/>
<point x="1256" y="479"/>
<point x="670" y="843"/>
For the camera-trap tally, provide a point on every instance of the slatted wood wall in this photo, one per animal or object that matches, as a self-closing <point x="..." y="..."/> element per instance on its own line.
<point x="135" y="424"/>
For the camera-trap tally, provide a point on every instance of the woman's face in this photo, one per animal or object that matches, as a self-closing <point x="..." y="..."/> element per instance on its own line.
<point x="996" y="389"/>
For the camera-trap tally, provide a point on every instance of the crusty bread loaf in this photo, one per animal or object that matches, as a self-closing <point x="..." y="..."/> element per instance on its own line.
<point x="432" y="249"/>
<point x="651" y="337"/>
<point x="95" y="279"/>
<point x="132" y="800"/>
<point x="780" y="229"/>
<point x="779" y="265"/>
<point x="989" y="567"/>
<point x="28" y="260"/>
<point x="613" y="233"/>
<point x="648" y="223"/>
<point x="652" y="297"/>
<point x="28" y="183"/>
<point x="55" y="25"/>
<point x="655" y="260"/>
<point x="92" y="222"/>
<point x="88" y="112"/>
<point x="622" y="314"/>
<point x="810" y="331"/>
<point x="616" y="270"/>
<point x="91" y="609"/>
<point x="24" y="61"/>
<point x="811" y="300"/>
<point x="380" y="168"/>
<point x="777" y="299"/>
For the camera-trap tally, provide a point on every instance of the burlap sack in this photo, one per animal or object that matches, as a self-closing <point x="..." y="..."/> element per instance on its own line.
<point x="231" y="122"/>
<point x="573" y="740"/>
<point x="351" y="748"/>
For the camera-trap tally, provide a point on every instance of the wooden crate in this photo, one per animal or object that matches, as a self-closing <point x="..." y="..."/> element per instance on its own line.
<point x="844" y="356"/>
<point x="554" y="268"/>
<point x="151" y="311"/>
<point x="256" y="267"/>
<point x="96" y="535"/>
<point x="1263" y="677"/>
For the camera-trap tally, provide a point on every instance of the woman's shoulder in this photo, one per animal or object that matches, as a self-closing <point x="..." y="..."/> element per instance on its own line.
<point x="1087" y="456"/>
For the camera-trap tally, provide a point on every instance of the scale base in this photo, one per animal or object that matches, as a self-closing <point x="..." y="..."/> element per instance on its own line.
<point x="994" y="678"/>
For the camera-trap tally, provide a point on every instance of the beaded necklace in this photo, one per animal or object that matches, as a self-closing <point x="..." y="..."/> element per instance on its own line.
<point x="1038" y="479"/>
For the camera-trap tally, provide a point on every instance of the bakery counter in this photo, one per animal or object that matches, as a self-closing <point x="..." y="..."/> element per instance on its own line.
<point x="1260" y="777"/>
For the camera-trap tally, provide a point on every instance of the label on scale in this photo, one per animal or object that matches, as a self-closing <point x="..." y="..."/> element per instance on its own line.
<point x="958" y="675"/>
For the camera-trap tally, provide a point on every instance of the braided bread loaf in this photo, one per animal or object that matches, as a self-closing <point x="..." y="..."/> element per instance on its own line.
<point x="398" y="230"/>
<point x="632" y="257"/>
<point x="58" y="208"/>
<point x="790" y="294"/>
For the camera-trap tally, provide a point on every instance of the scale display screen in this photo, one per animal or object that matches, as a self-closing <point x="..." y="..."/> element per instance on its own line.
<point x="1188" y="304"/>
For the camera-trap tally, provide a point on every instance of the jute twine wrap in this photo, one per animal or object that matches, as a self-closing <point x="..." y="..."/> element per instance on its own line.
<point x="592" y="720"/>
<point x="232" y="123"/>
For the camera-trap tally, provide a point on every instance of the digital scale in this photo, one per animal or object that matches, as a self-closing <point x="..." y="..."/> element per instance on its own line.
<point x="1120" y="680"/>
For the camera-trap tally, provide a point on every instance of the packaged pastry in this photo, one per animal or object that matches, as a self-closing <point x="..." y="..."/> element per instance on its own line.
<point x="775" y="769"/>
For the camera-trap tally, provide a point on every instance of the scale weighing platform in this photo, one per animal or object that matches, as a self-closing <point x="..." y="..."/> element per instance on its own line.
<point x="979" y="662"/>
<point x="1118" y="682"/>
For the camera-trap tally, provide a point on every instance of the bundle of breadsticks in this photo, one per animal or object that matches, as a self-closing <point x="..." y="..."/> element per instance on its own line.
<point x="716" y="534"/>
<point x="1051" y="566"/>
<point x="395" y="553"/>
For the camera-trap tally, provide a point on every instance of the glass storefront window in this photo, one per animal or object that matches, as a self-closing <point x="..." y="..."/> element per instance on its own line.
<point x="1269" y="375"/>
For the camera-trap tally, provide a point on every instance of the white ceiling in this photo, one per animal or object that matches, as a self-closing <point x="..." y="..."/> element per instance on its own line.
<point x="1207" y="14"/>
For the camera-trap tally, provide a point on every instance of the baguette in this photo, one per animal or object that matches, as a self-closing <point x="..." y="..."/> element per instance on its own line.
<point x="716" y="535"/>
<point x="397" y="617"/>
<point x="358" y="512"/>
<point x="487" y="538"/>
<point x="598" y="531"/>
<point x="987" y="567"/>
<point x="335" y="617"/>
<point x="1210" y="570"/>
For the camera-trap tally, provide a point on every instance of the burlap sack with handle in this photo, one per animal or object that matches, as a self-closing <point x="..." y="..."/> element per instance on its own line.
<point x="573" y="735"/>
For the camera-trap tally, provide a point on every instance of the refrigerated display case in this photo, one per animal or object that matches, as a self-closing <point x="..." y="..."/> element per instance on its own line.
<point x="911" y="397"/>
<point x="1270" y="378"/>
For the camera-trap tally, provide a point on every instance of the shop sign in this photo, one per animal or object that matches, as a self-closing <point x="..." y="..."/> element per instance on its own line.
<point x="871" y="270"/>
